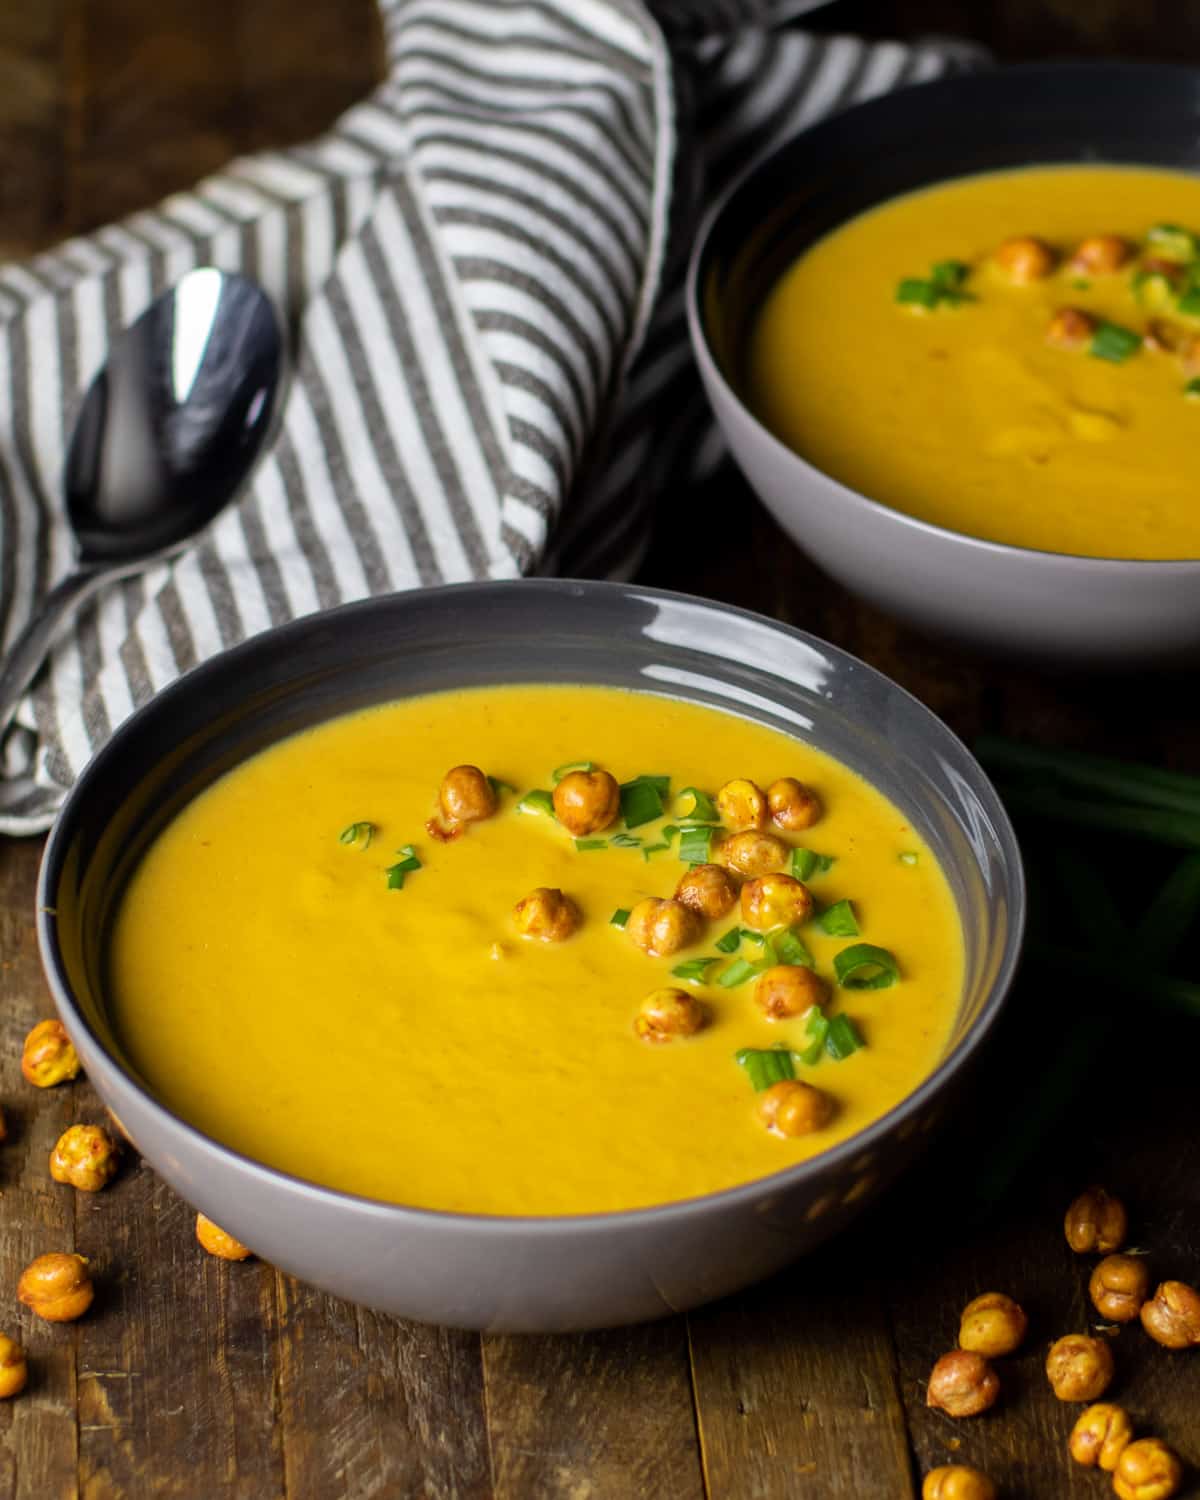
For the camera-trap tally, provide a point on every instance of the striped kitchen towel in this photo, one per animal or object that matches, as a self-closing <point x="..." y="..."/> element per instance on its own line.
<point x="482" y="269"/>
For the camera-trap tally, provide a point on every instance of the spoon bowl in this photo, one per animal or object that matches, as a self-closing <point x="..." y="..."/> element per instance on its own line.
<point x="168" y="432"/>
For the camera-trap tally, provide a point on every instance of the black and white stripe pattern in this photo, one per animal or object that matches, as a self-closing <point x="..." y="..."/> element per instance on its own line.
<point x="489" y="328"/>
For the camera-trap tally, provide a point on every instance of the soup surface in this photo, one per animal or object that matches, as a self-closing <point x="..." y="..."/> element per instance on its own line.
<point x="407" y="1043"/>
<point x="969" y="414"/>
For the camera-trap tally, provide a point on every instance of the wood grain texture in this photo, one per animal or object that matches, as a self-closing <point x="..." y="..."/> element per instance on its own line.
<point x="592" y="1416"/>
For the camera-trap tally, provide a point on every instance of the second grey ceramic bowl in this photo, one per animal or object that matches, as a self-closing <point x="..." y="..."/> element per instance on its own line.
<point x="1076" y="612"/>
<point x="521" y="1273"/>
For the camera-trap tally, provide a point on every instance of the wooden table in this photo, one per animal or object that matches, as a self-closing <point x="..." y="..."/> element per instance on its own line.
<point x="193" y="1378"/>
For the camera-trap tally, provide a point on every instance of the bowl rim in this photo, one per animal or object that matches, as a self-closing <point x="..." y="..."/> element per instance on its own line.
<point x="277" y="639"/>
<point x="996" y="77"/>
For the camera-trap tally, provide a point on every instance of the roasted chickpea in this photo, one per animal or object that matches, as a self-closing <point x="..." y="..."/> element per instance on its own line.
<point x="742" y="804"/>
<point x="57" y="1287"/>
<point x="1162" y="336"/>
<point x="587" y="801"/>
<point x="789" y="990"/>
<point x="668" y="1013"/>
<point x="1172" y="1316"/>
<point x="1095" y="1222"/>
<point x="48" y="1057"/>
<point x="792" y="1108"/>
<point x="775" y="901"/>
<point x="85" y="1157"/>
<point x="547" y="914"/>
<point x="1100" y="1435"/>
<point x="1079" y="1368"/>
<point x="962" y="1384"/>
<point x="793" y="805"/>
<point x="992" y="1325"/>
<point x="466" y="795"/>
<point x="662" y="927"/>
<point x="1100" y="255"/>
<point x="1070" y="328"/>
<point x="1147" y="1470"/>
<point x="219" y="1242"/>
<point x="13" y="1370"/>
<point x="957" y="1482"/>
<point x="1118" y="1287"/>
<point x="750" y="854"/>
<point x="1025" y="259"/>
<point x="709" y="890"/>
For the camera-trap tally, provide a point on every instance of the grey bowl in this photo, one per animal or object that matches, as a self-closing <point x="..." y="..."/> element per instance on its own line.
<point x="1077" y="612"/>
<point x="521" y="1273"/>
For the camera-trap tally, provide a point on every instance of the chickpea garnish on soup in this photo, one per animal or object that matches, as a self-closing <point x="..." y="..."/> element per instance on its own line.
<point x="625" y="913"/>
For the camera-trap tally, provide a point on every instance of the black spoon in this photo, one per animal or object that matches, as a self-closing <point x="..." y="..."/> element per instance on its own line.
<point x="169" y="430"/>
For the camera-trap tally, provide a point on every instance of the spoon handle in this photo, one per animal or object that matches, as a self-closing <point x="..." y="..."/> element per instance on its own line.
<point x="31" y="647"/>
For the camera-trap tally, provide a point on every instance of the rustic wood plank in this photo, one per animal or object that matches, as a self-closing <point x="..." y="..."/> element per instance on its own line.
<point x="373" y="1407"/>
<point x="37" y="1431"/>
<point x="598" y="1414"/>
<point x="177" y="1390"/>
<point x="32" y="182"/>
<point x="1127" y="1131"/>
<point x="164" y="93"/>
<point x="796" y="1385"/>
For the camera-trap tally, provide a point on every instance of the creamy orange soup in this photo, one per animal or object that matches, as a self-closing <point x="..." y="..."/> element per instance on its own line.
<point x="407" y="1042"/>
<point x="975" y="414"/>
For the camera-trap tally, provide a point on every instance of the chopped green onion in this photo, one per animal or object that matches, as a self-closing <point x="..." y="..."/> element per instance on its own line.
<point x="499" y="786"/>
<point x="649" y="849"/>
<point x="730" y="942"/>
<point x="842" y="1038"/>
<point x="668" y="831"/>
<point x="642" y="799"/>
<point x="804" y="862"/>
<point x="914" y="291"/>
<point x="703" y="807"/>
<point x="572" y="765"/>
<point x="625" y="841"/>
<point x="694" y="968"/>
<point x="790" y="950"/>
<point x="1158" y="282"/>
<point x="946" y="283"/>
<point x="908" y="857"/>
<point x="585" y="844"/>
<point x="765" y="1066"/>
<point x="865" y="967"/>
<point x="770" y="955"/>
<point x="1173" y="242"/>
<point x="1189" y="303"/>
<point x="838" y="920"/>
<point x="737" y="973"/>
<point x="751" y="936"/>
<point x="358" y="834"/>
<point x="407" y="863"/>
<point x="619" y="917"/>
<point x="537" y="802"/>
<point x="817" y="1027"/>
<point x="1193" y="387"/>
<point x="1080" y="284"/>
<point x="1114" y="343"/>
<point x="695" y="846"/>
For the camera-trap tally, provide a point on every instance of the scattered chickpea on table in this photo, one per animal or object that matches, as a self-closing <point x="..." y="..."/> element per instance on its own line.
<point x="1118" y="1287"/>
<point x="57" y="1287"/>
<point x="1095" y="1222"/>
<point x="962" y="1384"/>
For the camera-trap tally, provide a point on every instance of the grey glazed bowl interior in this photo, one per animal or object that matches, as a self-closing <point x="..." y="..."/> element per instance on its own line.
<point x="1072" y="611"/>
<point x="521" y="1273"/>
